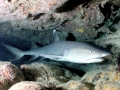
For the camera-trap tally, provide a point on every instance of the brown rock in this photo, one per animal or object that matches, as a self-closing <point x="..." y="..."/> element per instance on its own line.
<point x="77" y="17"/>
<point x="115" y="2"/>
<point x="75" y="85"/>
<point x="17" y="9"/>
<point x="103" y="79"/>
<point x="107" y="86"/>
<point x="48" y="75"/>
<point x="9" y="75"/>
<point x="27" y="85"/>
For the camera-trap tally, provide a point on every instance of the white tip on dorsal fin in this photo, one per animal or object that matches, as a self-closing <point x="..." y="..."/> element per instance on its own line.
<point x="55" y="36"/>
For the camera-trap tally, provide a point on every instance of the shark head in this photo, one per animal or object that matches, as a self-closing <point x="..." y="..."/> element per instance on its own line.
<point x="96" y="55"/>
<point x="86" y="53"/>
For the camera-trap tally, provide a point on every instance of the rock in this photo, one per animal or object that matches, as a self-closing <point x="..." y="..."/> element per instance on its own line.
<point x="107" y="86"/>
<point x="9" y="75"/>
<point x="17" y="10"/>
<point x="115" y="2"/>
<point x="75" y="85"/>
<point x="48" y="75"/>
<point x="27" y="85"/>
<point x="103" y="79"/>
<point x="28" y="19"/>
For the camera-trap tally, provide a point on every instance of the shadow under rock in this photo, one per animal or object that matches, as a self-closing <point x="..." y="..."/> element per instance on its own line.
<point x="70" y="5"/>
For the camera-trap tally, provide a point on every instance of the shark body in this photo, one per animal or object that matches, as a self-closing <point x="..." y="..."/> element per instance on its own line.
<point x="70" y="51"/>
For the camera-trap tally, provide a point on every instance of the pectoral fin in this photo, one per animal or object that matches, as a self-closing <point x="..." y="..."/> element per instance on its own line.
<point x="54" y="57"/>
<point x="33" y="57"/>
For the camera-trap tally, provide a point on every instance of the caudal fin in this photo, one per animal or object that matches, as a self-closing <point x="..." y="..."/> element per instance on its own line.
<point x="18" y="53"/>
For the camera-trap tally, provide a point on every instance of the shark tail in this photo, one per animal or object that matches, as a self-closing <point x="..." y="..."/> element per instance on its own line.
<point x="18" y="53"/>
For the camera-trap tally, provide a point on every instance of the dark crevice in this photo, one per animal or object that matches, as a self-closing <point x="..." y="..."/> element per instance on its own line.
<point x="38" y="16"/>
<point x="73" y="70"/>
<point x="118" y="58"/>
<point x="9" y="0"/>
<point x="64" y="22"/>
<point x="116" y="20"/>
<point x="28" y="75"/>
<point x="70" y="37"/>
<point x="99" y="25"/>
<point x="38" y="44"/>
<point x="78" y="72"/>
<point x="29" y="15"/>
<point x="110" y="13"/>
<point x="70" y="5"/>
<point x="113" y="29"/>
<point x="106" y="11"/>
<point x="109" y="47"/>
<point x="100" y="34"/>
<point x="85" y="5"/>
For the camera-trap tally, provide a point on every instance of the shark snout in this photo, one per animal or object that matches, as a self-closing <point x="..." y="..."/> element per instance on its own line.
<point x="105" y="54"/>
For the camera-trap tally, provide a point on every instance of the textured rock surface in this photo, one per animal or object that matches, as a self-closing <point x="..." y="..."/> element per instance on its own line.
<point x="107" y="86"/>
<point x="28" y="85"/>
<point x="103" y="79"/>
<point x="75" y="85"/>
<point x="48" y="75"/>
<point x="97" y="21"/>
<point x="17" y="9"/>
<point x="26" y="23"/>
<point x="26" y="19"/>
<point x="9" y="75"/>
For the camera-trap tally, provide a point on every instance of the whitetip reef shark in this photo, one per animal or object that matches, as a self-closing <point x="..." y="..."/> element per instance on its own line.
<point x="70" y="51"/>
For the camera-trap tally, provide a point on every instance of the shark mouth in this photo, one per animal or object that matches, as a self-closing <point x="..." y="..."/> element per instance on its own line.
<point x="100" y="59"/>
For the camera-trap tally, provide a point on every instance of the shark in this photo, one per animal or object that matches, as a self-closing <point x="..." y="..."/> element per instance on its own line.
<point x="69" y="51"/>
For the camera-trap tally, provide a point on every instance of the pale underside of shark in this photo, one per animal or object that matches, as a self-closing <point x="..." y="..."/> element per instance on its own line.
<point x="70" y="51"/>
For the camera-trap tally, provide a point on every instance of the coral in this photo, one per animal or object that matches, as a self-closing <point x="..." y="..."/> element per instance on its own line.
<point x="9" y="75"/>
<point x="28" y="85"/>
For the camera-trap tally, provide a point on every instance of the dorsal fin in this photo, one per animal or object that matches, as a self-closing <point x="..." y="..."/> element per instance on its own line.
<point x="55" y="36"/>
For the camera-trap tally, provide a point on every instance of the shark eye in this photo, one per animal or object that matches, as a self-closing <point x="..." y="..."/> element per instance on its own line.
<point x="91" y="52"/>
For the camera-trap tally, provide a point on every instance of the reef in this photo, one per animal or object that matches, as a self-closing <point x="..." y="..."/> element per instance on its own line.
<point x="25" y="21"/>
<point x="42" y="76"/>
